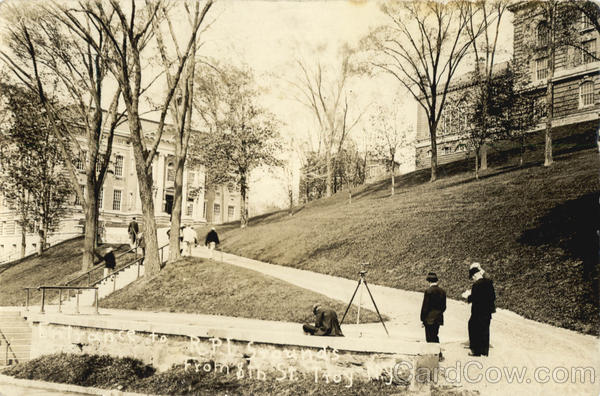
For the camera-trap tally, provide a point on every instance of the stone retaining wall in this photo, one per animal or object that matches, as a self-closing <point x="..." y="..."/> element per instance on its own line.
<point x="249" y="353"/>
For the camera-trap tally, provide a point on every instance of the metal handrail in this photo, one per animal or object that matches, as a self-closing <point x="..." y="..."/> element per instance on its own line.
<point x="7" y="348"/>
<point x="95" y="267"/>
<point x="139" y="261"/>
<point x="60" y="289"/>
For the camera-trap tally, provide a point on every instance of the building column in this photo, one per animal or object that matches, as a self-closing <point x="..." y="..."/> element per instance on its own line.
<point x="160" y="184"/>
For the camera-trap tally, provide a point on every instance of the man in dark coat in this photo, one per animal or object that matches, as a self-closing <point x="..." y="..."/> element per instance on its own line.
<point x="211" y="241"/>
<point x="432" y="310"/>
<point x="326" y="323"/>
<point x="109" y="261"/>
<point x="482" y="298"/>
<point x="133" y="230"/>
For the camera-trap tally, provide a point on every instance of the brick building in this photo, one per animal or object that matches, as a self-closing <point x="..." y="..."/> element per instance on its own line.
<point x="576" y="83"/>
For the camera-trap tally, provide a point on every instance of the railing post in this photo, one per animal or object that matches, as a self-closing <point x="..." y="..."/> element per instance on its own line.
<point x="114" y="277"/>
<point x="77" y="304"/>
<point x="162" y="251"/>
<point x="43" y="300"/>
<point x="6" y="353"/>
<point x="96" y="295"/>
<point x="27" y="301"/>
<point x="138" y="269"/>
<point x="59" y="300"/>
<point x="89" y="279"/>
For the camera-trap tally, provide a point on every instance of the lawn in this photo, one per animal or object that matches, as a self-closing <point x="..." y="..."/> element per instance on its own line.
<point x="55" y="266"/>
<point x="194" y="285"/>
<point x="531" y="227"/>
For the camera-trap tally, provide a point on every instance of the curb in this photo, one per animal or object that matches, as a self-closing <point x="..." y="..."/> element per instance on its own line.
<point x="60" y="387"/>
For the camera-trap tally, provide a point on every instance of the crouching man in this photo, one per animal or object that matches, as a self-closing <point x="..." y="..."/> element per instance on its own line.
<point x="326" y="323"/>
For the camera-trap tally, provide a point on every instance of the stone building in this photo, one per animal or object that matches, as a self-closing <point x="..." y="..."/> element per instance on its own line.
<point x="576" y="82"/>
<point x="119" y="199"/>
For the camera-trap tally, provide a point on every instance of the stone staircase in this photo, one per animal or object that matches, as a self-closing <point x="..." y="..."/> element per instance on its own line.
<point x="15" y="338"/>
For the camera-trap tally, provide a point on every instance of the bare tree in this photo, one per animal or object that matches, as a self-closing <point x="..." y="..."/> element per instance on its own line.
<point x="180" y="109"/>
<point x="484" y="40"/>
<point x="128" y="35"/>
<point x="325" y="93"/>
<point x="52" y="49"/>
<point x="389" y="135"/>
<point x="422" y="48"/>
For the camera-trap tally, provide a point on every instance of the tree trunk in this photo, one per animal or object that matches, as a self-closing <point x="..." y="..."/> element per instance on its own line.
<point x="328" y="175"/>
<point x="434" y="161"/>
<point x="393" y="177"/>
<point x="522" y="150"/>
<point x="90" y="228"/>
<point x="41" y="242"/>
<point x="548" y="136"/>
<point x="23" y="240"/>
<point x="550" y="92"/>
<point x="476" y="164"/>
<point x="483" y="161"/>
<point x="174" y="242"/>
<point x="243" y="202"/>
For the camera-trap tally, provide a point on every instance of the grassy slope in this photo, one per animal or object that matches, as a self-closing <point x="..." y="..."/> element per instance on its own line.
<point x="533" y="229"/>
<point x="53" y="267"/>
<point x="198" y="286"/>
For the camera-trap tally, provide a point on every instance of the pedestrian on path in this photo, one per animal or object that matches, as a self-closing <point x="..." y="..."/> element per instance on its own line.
<point x="109" y="260"/>
<point x="189" y="238"/>
<point x="211" y="241"/>
<point x="482" y="298"/>
<point x="432" y="309"/>
<point x="326" y="323"/>
<point x="133" y="231"/>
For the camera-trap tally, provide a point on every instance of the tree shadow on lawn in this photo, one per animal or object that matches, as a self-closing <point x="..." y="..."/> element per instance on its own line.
<point x="572" y="226"/>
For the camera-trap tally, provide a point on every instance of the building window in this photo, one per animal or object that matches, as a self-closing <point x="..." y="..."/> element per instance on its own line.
<point x="77" y="200"/>
<point x="541" y="68"/>
<point x="230" y="212"/>
<point x="539" y="107"/>
<point x="99" y="162"/>
<point x="119" y="166"/>
<point x="116" y="200"/>
<point x="542" y="34"/>
<point x="217" y="211"/>
<point x="191" y="177"/>
<point x="81" y="160"/>
<point x="428" y="153"/>
<point x="100" y="198"/>
<point x="586" y="22"/>
<point x="190" y="210"/>
<point x="170" y="172"/>
<point x="10" y="228"/>
<point x="586" y="94"/>
<point x="588" y="51"/>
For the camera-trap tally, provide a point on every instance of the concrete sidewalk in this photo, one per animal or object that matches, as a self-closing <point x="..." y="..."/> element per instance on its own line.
<point x="518" y="343"/>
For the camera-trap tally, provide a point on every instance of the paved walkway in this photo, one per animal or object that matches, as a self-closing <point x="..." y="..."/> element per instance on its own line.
<point x="545" y="352"/>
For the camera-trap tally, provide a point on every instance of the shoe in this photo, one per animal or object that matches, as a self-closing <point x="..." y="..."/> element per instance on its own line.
<point x="474" y="354"/>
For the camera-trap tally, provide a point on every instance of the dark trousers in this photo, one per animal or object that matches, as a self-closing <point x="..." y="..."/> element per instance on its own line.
<point x="479" y="334"/>
<point x="431" y="333"/>
<point x="309" y="329"/>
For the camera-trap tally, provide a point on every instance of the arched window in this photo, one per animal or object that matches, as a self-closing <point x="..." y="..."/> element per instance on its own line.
<point x="586" y="94"/>
<point x="542" y="34"/>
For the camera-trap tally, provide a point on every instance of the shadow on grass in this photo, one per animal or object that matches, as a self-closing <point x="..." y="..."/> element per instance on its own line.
<point x="572" y="226"/>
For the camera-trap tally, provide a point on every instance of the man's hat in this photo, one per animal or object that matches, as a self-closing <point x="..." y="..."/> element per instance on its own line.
<point x="431" y="277"/>
<point x="473" y="269"/>
<point x="315" y="307"/>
